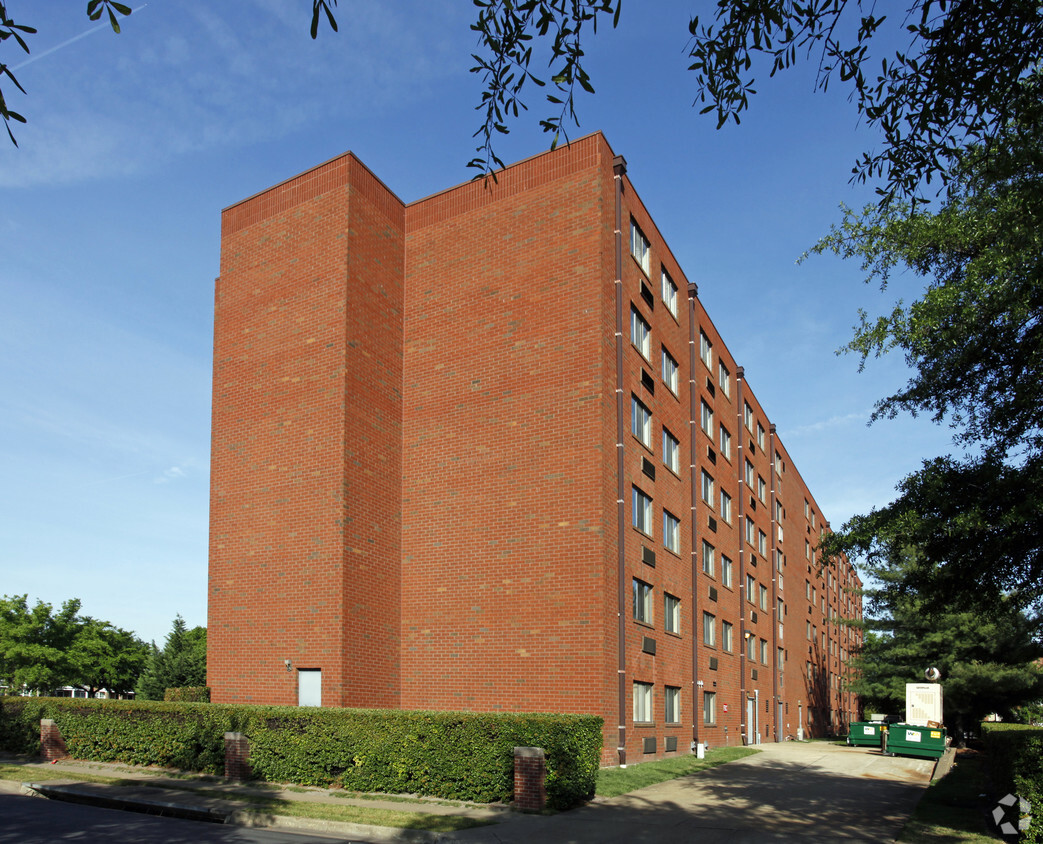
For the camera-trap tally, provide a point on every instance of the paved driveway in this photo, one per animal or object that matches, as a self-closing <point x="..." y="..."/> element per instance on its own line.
<point x="812" y="792"/>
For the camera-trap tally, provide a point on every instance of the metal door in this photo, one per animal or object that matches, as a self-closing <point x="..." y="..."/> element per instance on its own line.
<point x="309" y="687"/>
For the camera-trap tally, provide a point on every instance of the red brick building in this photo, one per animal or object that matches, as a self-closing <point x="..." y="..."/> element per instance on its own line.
<point x="487" y="451"/>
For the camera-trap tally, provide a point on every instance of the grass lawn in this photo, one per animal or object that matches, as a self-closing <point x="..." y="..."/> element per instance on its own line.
<point x="951" y="810"/>
<point x="358" y="814"/>
<point x="615" y="781"/>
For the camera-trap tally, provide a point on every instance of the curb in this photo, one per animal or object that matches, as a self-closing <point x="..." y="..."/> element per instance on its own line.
<point x="91" y="797"/>
<point x="103" y="798"/>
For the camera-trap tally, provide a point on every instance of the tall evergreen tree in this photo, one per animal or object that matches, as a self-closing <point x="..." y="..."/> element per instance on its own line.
<point x="181" y="662"/>
<point x="987" y="661"/>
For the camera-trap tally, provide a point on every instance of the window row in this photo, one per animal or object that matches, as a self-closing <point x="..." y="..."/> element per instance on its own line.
<point x="724" y="376"/>
<point x="644" y="704"/>
<point x="641" y="251"/>
<point x="644" y="514"/>
<point x="641" y="338"/>
<point x="641" y="428"/>
<point x="643" y="599"/>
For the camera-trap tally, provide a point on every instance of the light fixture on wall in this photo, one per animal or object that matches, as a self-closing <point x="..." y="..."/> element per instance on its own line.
<point x="288" y="664"/>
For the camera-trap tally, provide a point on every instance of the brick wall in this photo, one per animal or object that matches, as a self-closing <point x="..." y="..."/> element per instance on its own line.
<point x="415" y="450"/>
<point x="306" y="472"/>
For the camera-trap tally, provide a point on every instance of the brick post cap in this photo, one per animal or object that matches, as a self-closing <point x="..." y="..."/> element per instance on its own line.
<point x="529" y="753"/>
<point x="46" y="722"/>
<point x="234" y="736"/>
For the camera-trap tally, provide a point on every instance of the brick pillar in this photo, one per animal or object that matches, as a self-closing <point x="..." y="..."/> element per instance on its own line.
<point x="52" y="745"/>
<point x="237" y="756"/>
<point x="530" y="779"/>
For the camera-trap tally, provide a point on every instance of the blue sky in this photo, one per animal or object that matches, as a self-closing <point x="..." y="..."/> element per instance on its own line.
<point x="110" y="220"/>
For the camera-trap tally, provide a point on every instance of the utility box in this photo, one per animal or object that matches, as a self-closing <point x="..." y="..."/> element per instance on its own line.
<point x="923" y="703"/>
<point x="914" y="740"/>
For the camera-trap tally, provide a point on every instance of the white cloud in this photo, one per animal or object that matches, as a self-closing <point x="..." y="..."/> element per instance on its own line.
<point x="830" y="424"/>
<point x="172" y="474"/>
<point x="185" y="79"/>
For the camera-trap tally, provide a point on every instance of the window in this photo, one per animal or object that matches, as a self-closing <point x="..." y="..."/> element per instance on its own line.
<point x="750" y="474"/>
<point x="762" y="543"/>
<point x="709" y="629"/>
<point x="640" y="334"/>
<point x="724" y="378"/>
<point x="727" y="636"/>
<point x="671" y="452"/>
<point x="669" y="293"/>
<point x="751" y="587"/>
<point x="726" y="507"/>
<point x="781" y="659"/>
<point x="669" y="372"/>
<point x="749" y="530"/>
<point x="642" y="511"/>
<point x="762" y="596"/>
<point x="726" y="572"/>
<point x="642" y="601"/>
<point x="671" y="532"/>
<point x="760" y="435"/>
<point x="762" y="490"/>
<point x="708" y="553"/>
<point x="705" y="349"/>
<point x="807" y="630"/>
<point x="726" y="443"/>
<point x="708" y="488"/>
<point x="672" y="701"/>
<point x="747" y="417"/>
<point x="709" y="707"/>
<point x="707" y="418"/>
<point x="643" y="703"/>
<point x="640" y="421"/>
<point x="639" y="246"/>
<point x="672" y="614"/>
<point x="764" y="651"/>
<point x="751" y="647"/>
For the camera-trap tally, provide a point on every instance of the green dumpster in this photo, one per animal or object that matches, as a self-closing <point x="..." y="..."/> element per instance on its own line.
<point x="913" y="740"/>
<point x="865" y="733"/>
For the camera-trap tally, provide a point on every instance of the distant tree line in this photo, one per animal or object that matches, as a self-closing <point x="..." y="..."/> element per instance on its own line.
<point x="43" y="650"/>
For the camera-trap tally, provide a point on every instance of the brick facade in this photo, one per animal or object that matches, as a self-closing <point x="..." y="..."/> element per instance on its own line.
<point x="424" y="467"/>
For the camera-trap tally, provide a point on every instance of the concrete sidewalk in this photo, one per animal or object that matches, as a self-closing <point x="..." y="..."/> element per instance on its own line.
<point x="814" y="792"/>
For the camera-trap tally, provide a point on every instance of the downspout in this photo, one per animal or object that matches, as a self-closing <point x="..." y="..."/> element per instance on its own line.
<point x="619" y="169"/>
<point x="693" y="292"/>
<point x="776" y="591"/>
<point x="740" y="458"/>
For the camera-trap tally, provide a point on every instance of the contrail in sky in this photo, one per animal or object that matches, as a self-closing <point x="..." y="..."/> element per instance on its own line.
<point x="72" y="40"/>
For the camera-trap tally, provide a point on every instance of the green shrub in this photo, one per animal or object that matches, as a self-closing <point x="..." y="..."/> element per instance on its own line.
<point x="456" y="755"/>
<point x="188" y="694"/>
<point x="1015" y="764"/>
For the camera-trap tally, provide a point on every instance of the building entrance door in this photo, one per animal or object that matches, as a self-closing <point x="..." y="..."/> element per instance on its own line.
<point x="309" y="687"/>
<point x="751" y="720"/>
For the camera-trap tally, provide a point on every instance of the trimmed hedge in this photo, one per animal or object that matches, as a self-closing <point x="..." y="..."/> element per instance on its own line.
<point x="1015" y="761"/>
<point x="457" y="755"/>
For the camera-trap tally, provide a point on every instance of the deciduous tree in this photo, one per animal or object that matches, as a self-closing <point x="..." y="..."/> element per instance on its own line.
<point x="974" y="343"/>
